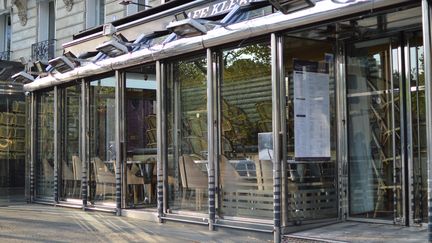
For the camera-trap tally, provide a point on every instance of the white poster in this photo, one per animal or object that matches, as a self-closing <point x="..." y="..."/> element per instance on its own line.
<point x="311" y="115"/>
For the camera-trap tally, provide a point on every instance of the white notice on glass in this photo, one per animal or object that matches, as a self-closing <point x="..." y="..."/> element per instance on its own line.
<point x="311" y="115"/>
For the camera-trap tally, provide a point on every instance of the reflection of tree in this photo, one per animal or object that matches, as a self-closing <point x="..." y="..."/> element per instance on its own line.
<point x="247" y="62"/>
<point x="190" y="73"/>
<point x="418" y="80"/>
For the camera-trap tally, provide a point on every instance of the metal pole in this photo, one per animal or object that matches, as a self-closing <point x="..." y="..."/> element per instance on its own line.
<point x="56" y="147"/>
<point x="32" y="143"/>
<point x="426" y="9"/>
<point x="342" y="151"/>
<point x="161" y="132"/>
<point x="276" y="60"/>
<point x="84" y="150"/>
<point x="211" y="123"/>
<point x="118" y="157"/>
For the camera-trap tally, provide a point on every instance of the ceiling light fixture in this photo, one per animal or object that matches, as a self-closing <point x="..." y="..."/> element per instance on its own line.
<point x="113" y="48"/>
<point x="187" y="28"/>
<point x="63" y="63"/>
<point x="22" y="77"/>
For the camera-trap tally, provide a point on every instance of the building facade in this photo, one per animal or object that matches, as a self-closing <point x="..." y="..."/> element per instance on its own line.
<point x="256" y="115"/>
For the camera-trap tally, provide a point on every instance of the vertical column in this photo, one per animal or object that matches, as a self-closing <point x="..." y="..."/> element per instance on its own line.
<point x="426" y="8"/>
<point x="211" y="128"/>
<point x="84" y="149"/>
<point x="283" y="98"/>
<point x="161" y="132"/>
<point x="342" y="150"/>
<point x="276" y="62"/>
<point x="56" y="147"/>
<point x="118" y="138"/>
<point x="33" y="117"/>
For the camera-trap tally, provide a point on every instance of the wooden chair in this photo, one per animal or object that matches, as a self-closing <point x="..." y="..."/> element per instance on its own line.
<point x="193" y="178"/>
<point x="67" y="176"/>
<point x="77" y="172"/>
<point x="134" y="180"/>
<point x="48" y="177"/>
<point x="104" y="177"/>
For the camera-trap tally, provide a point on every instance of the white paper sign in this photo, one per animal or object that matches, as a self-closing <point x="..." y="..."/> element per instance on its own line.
<point x="311" y="115"/>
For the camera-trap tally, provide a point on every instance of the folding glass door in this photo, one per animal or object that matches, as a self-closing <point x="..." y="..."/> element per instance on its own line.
<point x="309" y="126"/>
<point x="44" y="166"/>
<point x="186" y="127"/>
<point x="70" y="164"/>
<point x="245" y="168"/>
<point x="140" y="136"/>
<point x="386" y="119"/>
<point x="13" y="125"/>
<point x="101" y="142"/>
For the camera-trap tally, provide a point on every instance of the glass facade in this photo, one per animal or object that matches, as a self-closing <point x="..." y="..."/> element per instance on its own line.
<point x="246" y="179"/>
<point x="141" y="135"/>
<point x="187" y="135"/>
<point x="12" y="147"/>
<point x="101" y="143"/>
<point x="70" y="127"/>
<point x="310" y="127"/>
<point x="44" y="168"/>
<point x="352" y="114"/>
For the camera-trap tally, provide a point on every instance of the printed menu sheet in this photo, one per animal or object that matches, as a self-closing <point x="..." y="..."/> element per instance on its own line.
<point x="311" y="115"/>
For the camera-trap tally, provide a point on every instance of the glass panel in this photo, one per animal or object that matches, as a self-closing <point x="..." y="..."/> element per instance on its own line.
<point x="102" y="141"/>
<point x="187" y="135"/>
<point x="12" y="150"/>
<point x="374" y="129"/>
<point x="140" y="114"/>
<point x="44" y="166"/>
<point x="311" y="128"/>
<point x="71" y="165"/>
<point x="418" y="118"/>
<point x="246" y="178"/>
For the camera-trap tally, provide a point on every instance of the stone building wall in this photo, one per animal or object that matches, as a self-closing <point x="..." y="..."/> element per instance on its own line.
<point x="68" y="22"/>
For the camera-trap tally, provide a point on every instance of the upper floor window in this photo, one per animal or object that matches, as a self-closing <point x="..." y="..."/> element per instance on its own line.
<point x="46" y="27"/>
<point x="44" y="48"/>
<point x="140" y="5"/>
<point x="95" y="14"/>
<point x="5" y="36"/>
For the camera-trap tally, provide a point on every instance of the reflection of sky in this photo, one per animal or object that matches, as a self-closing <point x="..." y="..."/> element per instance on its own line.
<point x="133" y="81"/>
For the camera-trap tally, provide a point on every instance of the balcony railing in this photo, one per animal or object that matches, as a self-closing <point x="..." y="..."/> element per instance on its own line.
<point x="43" y="50"/>
<point x="5" y="55"/>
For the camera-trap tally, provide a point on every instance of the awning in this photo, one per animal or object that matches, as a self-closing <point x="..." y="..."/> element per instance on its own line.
<point x="323" y="10"/>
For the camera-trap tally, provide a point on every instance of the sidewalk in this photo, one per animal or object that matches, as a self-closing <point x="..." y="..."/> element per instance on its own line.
<point x="40" y="223"/>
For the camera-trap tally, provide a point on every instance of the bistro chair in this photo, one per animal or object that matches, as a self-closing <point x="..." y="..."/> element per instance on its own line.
<point x="104" y="177"/>
<point x="48" y="172"/>
<point x="134" y="180"/>
<point x="77" y="172"/>
<point x="67" y="176"/>
<point x="193" y="179"/>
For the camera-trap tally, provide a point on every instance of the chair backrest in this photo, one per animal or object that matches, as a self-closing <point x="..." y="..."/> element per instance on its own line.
<point x="198" y="144"/>
<point x="151" y="121"/>
<point x="230" y="178"/>
<point x="48" y="170"/>
<point x="102" y="173"/>
<point x="67" y="172"/>
<point x="77" y="167"/>
<point x="131" y="177"/>
<point x="191" y="175"/>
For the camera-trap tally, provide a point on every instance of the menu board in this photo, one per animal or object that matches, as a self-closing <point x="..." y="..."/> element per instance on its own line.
<point x="311" y="112"/>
